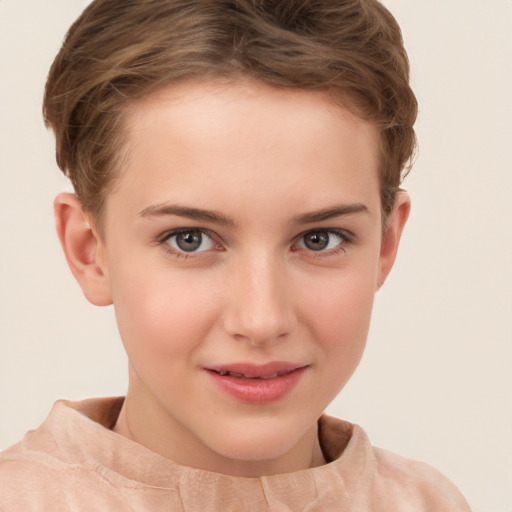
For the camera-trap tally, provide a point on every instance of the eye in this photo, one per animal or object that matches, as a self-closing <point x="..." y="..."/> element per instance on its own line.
<point x="190" y="240"/>
<point x="322" y="240"/>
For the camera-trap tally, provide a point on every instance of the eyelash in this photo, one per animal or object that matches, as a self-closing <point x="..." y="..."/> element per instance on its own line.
<point x="346" y="238"/>
<point x="164" y="241"/>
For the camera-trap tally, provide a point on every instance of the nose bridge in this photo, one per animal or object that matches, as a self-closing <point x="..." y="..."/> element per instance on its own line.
<point x="260" y="308"/>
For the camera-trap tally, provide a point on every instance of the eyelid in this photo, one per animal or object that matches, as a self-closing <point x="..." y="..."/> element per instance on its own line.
<point x="162" y="241"/>
<point x="346" y="236"/>
<point x="177" y="231"/>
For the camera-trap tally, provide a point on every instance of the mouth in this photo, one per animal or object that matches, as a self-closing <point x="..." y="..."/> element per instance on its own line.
<point x="256" y="372"/>
<point x="236" y="375"/>
<point x="257" y="384"/>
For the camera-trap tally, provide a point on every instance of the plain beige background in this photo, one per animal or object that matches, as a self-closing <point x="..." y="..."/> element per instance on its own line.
<point x="436" y="381"/>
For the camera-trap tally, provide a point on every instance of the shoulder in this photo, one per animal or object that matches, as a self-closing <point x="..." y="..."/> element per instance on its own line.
<point x="383" y="479"/>
<point x="420" y="482"/>
<point x="35" y="479"/>
<point x="50" y="467"/>
<point x="23" y="468"/>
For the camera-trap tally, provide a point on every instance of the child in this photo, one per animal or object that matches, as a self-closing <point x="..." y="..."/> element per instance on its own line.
<point x="237" y="167"/>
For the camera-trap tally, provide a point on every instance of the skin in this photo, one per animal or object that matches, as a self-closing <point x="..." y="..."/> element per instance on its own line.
<point x="264" y="160"/>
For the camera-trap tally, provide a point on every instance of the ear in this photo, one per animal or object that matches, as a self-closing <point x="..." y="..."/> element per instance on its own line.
<point x="83" y="248"/>
<point x="392" y="234"/>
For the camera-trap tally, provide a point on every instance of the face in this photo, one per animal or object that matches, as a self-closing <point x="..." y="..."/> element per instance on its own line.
<point x="241" y="249"/>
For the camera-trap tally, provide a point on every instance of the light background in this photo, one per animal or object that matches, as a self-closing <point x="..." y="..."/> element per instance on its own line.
<point x="436" y="381"/>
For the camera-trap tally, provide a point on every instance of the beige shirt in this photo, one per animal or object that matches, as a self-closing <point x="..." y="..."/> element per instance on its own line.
<point x="74" y="462"/>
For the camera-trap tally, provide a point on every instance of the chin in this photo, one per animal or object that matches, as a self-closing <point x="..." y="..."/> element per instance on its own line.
<point x="257" y="449"/>
<point x="268" y="443"/>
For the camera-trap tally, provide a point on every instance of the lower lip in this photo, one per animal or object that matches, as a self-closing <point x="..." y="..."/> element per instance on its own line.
<point x="258" y="391"/>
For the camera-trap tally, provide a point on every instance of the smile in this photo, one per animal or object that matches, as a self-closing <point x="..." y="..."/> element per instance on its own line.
<point x="223" y="373"/>
<point x="257" y="384"/>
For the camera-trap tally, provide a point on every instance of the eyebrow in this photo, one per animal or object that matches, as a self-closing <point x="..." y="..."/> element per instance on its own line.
<point x="331" y="212"/>
<point x="159" y="210"/>
<point x="163" y="209"/>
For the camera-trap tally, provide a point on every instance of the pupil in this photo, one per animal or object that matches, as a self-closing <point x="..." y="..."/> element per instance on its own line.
<point x="317" y="241"/>
<point x="189" y="241"/>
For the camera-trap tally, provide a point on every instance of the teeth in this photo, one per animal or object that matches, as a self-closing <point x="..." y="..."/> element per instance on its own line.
<point x="273" y="376"/>
<point x="236" y="375"/>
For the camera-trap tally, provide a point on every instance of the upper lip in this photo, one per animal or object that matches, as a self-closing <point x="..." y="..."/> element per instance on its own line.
<point x="257" y="371"/>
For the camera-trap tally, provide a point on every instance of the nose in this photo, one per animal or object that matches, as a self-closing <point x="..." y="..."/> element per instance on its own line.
<point x="260" y="309"/>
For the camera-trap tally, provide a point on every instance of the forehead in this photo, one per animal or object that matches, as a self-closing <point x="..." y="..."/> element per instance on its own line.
<point x="196" y="107"/>
<point x="205" y="139"/>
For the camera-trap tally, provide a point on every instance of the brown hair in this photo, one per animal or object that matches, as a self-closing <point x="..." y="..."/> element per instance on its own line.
<point x="119" y="50"/>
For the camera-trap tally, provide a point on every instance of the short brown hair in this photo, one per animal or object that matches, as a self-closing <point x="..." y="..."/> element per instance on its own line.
<point x="119" y="50"/>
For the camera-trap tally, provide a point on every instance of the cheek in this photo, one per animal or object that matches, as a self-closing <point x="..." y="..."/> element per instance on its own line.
<point x="344" y="317"/>
<point x="340" y="314"/>
<point x="161" y="314"/>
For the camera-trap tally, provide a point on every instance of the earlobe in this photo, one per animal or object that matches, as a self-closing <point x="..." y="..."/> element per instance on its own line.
<point x="392" y="234"/>
<point x="83" y="249"/>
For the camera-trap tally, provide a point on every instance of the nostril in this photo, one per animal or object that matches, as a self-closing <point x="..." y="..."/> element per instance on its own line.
<point x="261" y="334"/>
